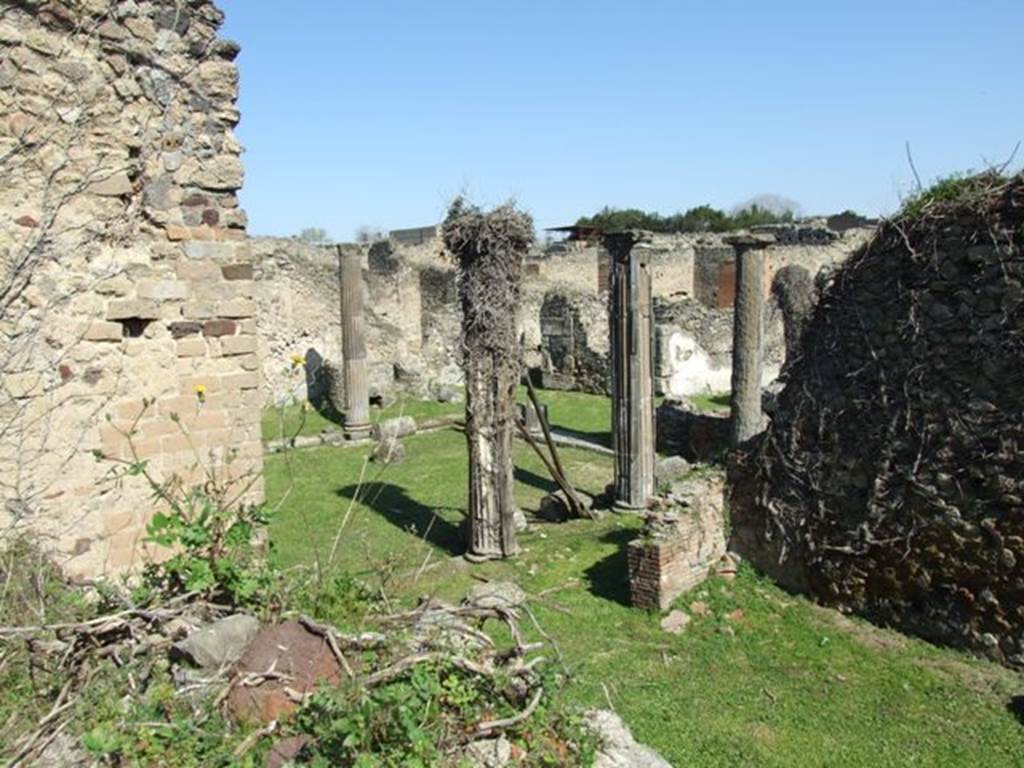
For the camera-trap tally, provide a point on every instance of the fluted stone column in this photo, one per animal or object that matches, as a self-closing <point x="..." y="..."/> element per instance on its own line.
<point x="489" y="249"/>
<point x="748" y="335"/>
<point x="630" y="337"/>
<point x="353" y="344"/>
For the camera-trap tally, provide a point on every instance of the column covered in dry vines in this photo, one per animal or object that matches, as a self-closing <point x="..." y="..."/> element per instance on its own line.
<point x="748" y="337"/>
<point x="353" y="343"/>
<point x="630" y="330"/>
<point x="488" y="249"/>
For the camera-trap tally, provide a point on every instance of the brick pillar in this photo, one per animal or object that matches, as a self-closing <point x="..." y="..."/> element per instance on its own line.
<point x="632" y="367"/>
<point x="353" y="344"/>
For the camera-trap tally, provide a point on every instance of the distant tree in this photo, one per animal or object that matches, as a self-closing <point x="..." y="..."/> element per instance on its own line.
<point x="368" y="234"/>
<point x="629" y="218"/>
<point x="755" y="215"/>
<point x="314" y="236"/>
<point x="702" y="218"/>
<point x="776" y="205"/>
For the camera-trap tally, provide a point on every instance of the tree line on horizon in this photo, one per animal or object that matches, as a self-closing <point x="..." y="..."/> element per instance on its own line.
<point x="702" y="218"/>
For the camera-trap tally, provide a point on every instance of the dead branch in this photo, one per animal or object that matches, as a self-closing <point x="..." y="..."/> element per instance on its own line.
<point x="490" y="727"/>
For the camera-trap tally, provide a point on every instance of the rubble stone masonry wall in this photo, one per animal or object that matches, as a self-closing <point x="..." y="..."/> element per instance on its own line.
<point x="411" y="314"/>
<point x="890" y="481"/>
<point x="126" y="275"/>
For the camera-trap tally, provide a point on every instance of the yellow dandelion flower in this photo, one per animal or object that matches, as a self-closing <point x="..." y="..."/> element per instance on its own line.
<point x="298" y="360"/>
<point x="200" y="390"/>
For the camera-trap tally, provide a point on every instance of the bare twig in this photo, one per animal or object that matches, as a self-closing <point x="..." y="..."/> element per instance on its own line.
<point x="910" y="160"/>
<point x="329" y="635"/>
<point x="489" y="727"/>
<point x="253" y="739"/>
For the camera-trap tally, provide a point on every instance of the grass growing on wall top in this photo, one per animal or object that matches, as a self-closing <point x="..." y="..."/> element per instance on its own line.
<point x="956" y="187"/>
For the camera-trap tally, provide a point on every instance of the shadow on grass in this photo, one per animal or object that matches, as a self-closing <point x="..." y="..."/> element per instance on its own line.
<point x="600" y="438"/>
<point x="396" y="506"/>
<point x="1016" y="708"/>
<point x="609" y="578"/>
<point x="326" y="409"/>
<point x="540" y="482"/>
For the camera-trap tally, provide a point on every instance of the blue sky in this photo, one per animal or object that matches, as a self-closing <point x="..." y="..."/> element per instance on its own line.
<point x="379" y="112"/>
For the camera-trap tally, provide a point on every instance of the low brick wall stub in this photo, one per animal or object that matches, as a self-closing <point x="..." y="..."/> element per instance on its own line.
<point x="682" y="540"/>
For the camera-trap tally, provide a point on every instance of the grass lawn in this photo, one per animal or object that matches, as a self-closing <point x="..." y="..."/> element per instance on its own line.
<point x="587" y="416"/>
<point x="291" y="420"/>
<point x="710" y="401"/>
<point x="764" y="679"/>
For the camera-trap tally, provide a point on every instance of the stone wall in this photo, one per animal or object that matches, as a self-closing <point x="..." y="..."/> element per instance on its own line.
<point x="890" y="481"/>
<point x="299" y="301"/>
<point x="570" y="358"/>
<point x="413" y="317"/>
<point x="693" y="347"/>
<point x="128" y="293"/>
<point x="693" y="281"/>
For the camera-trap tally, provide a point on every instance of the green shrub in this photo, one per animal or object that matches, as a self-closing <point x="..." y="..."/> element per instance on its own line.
<point x="957" y="187"/>
<point x="422" y="718"/>
<point x="210" y="527"/>
<point x="340" y="599"/>
<point x="214" y="550"/>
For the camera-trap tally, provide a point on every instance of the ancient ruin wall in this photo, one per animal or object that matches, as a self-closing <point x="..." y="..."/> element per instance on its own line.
<point x="126" y="274"/>
<point x="299" y="302"/>
<point x="411" y="314"/>
<point x="574" y="342"/>
<point x="413" y="319"/>
<point x="679" y="544"/>
<point x="693" y="278"/>
<point x="891" y="479"/>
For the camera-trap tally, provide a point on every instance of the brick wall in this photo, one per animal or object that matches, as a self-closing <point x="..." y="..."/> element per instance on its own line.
<point x="680" y="543"/>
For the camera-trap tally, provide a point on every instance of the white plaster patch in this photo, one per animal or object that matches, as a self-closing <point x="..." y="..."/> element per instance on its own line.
<point x="691" y="370"/>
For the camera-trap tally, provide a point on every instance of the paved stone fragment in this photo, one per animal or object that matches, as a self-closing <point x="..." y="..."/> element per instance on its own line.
<point x="496" y="594"/>
<point x="302" y="658"/>
<point x="390" y="450"/>
<point x="676" y="622"/>
<point x="619" y="748"/>
<point x="218" y="644"/>
<point x="400" y="426"/>
<point x="489" y="753"/>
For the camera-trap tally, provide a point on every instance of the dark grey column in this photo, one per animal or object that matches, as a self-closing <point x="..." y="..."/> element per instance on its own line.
<point x="353" y="343"/>
<point x="748" y="335"/>
<point x="630" y="332"/>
